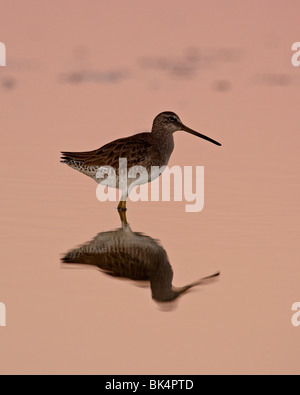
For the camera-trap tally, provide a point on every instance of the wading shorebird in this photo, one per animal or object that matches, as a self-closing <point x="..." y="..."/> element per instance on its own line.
<point x="145" y="150"/>
<point x="132" y="255"/>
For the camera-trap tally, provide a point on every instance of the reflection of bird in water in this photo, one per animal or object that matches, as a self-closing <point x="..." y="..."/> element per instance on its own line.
<point x="132" y="255"/>
<point x="143" y="150"/>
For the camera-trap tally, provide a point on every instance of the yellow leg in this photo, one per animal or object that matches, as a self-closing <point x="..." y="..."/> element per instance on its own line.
<point x="123" y="217"/>
<point x="122" y="205"/>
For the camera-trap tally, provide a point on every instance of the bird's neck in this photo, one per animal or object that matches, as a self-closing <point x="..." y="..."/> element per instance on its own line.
<point x="165" y="142"/>
<point x="161" y="280"/>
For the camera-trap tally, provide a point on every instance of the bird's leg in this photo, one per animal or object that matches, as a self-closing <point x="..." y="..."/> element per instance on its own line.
<point x="123" y="217"/>
<point x="122" y="206"/>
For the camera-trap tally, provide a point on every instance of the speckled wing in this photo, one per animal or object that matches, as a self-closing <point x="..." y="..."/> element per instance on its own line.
<point x="135" y="149"/>
<point x="116" y="264"/>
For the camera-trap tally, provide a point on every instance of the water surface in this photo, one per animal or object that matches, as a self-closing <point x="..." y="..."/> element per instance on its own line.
<point x="79" y="320"/>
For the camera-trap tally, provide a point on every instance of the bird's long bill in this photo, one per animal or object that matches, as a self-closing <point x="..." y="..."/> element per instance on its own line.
<point x="202" y="281"/>
<point x="186" y="129"/>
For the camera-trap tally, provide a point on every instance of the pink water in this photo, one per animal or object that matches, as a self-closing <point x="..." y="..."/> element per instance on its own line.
<point x="82" y="74"/>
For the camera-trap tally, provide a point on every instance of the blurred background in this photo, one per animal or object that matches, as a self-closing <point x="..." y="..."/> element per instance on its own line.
<point x="82" y="73"/>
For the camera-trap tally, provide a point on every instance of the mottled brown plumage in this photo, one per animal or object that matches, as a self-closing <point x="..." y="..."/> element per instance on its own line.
<point x="143" y="149"/>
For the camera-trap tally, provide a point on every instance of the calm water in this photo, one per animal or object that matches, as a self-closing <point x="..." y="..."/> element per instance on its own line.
<point x="73" y="318"/>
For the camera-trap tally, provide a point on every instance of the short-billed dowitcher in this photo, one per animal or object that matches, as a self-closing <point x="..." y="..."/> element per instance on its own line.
<point x="147" y="150"/>
<point x="132" y="255"/>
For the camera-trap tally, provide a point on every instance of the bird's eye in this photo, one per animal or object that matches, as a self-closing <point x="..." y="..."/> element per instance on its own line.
<point x="172" y="119"/>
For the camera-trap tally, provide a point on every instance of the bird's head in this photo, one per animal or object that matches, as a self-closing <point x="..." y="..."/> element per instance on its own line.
<point x="170" y="122"/>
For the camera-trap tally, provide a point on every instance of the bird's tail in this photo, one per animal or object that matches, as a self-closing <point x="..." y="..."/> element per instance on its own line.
<point x="67" y="157"/>
<point x="80" y="157"/>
